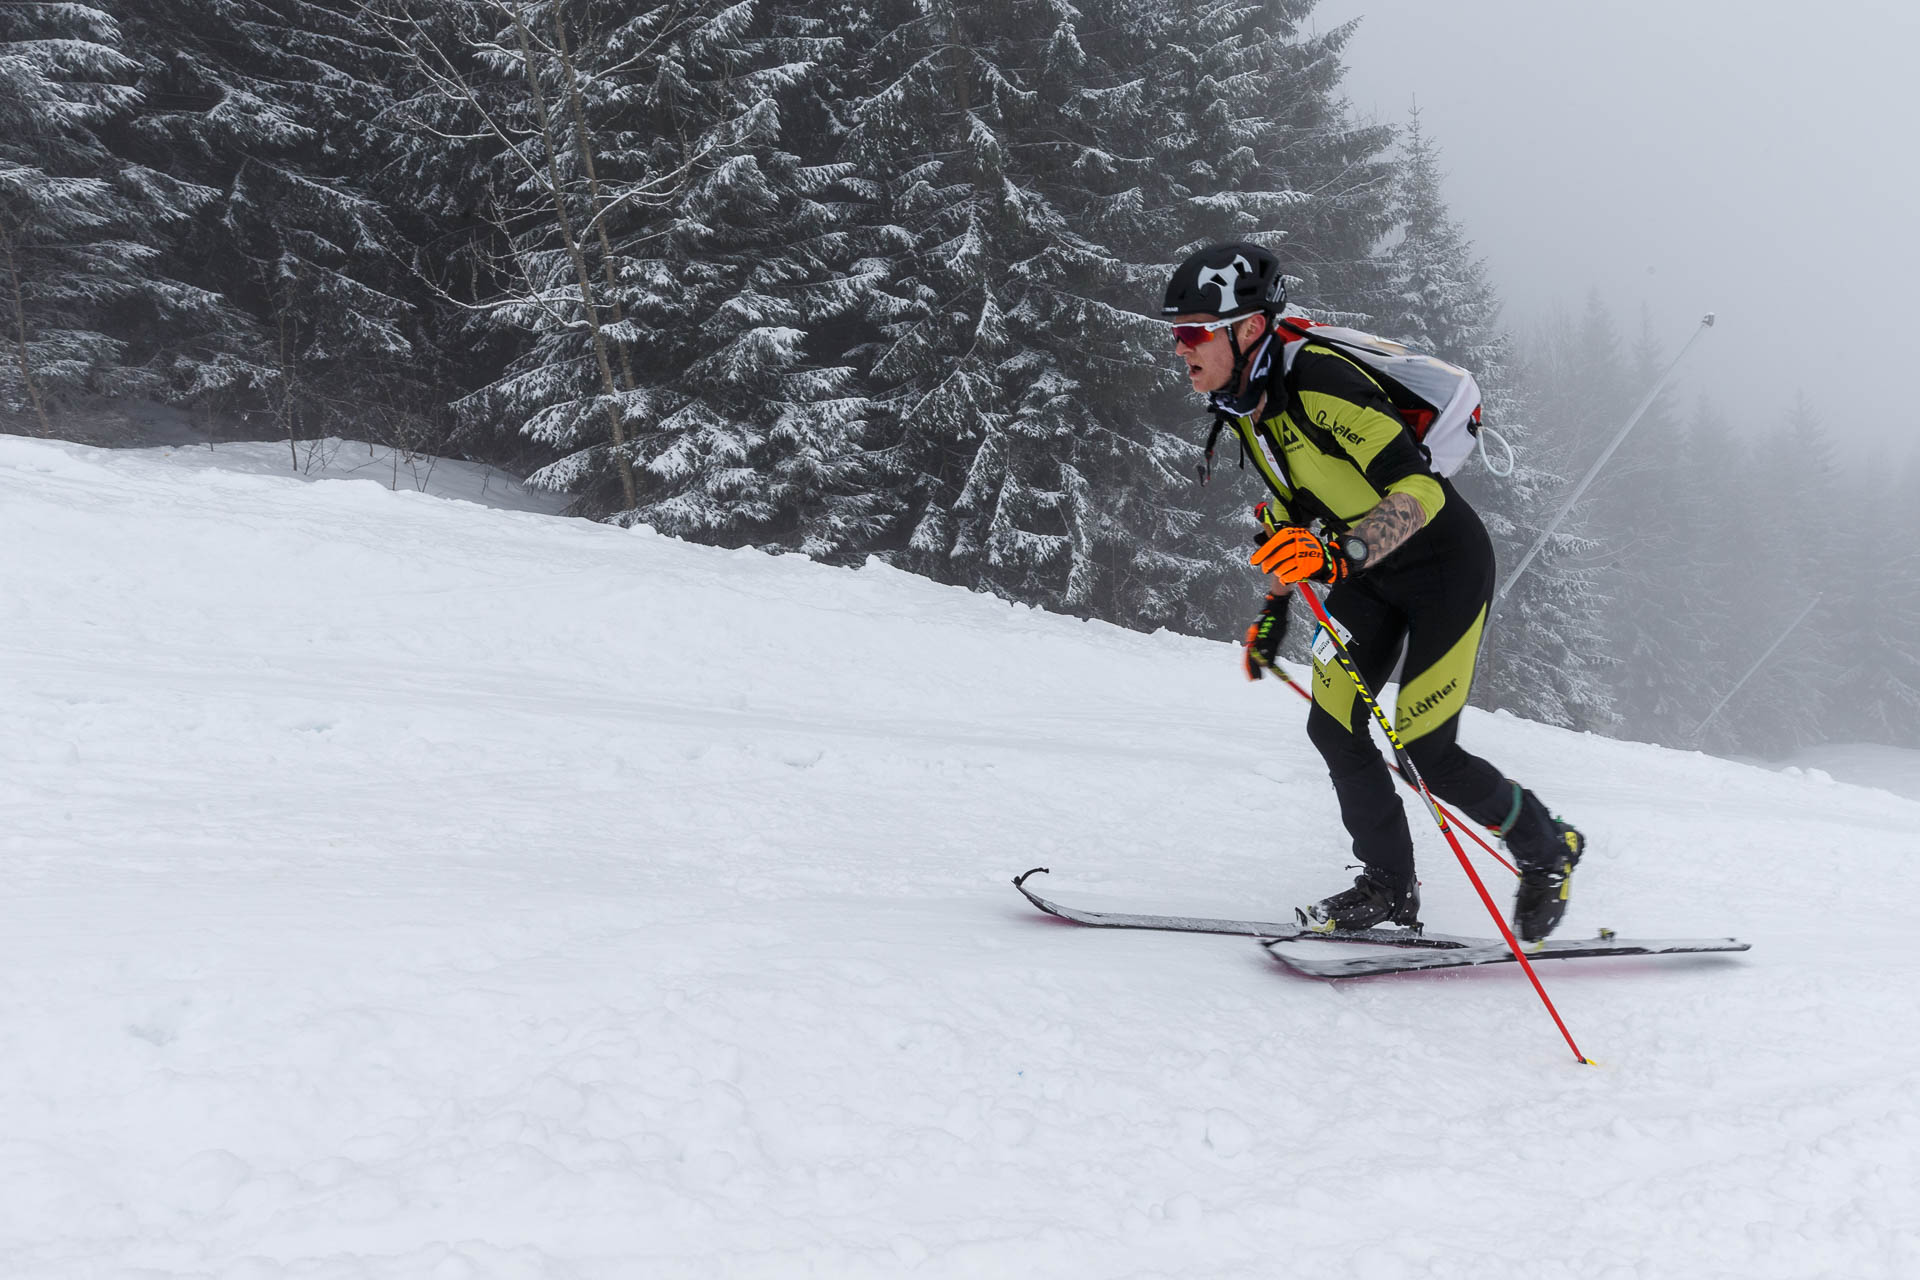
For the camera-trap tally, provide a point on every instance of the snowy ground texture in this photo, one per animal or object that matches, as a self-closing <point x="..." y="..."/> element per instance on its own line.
<point x="397" y="887"/>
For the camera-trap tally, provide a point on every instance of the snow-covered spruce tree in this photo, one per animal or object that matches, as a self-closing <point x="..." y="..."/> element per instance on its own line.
<point x="1044" y="166"/>
<point x="972" y="395"/>
<point x="501" y="84"/>
<point x="668" y="261"/>
<point x="1579" y="376"/>
<point x="1650" y="507"/>
<point x="1850" y="671"/>
<point x="1544" y="658"/>
<point x="1261" y="137"/>
<point x="1577" y="391"/>
<point x="448" y="164"/>
<point x="1791" y="478"/>
<point x="270" y="110"/>
<point x="756" y="425"/>
<point x="77" y="226"/>
<point x="1437" y="296"/>
<point x="1715" y="525"/>
<point x="1246" y="138"/>
<point x="1874" y="693"/>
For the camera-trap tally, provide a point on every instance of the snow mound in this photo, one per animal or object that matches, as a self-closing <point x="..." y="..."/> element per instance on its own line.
<point x="401" y="888"/>
<point x="337" y="459"/>
<point x="1864" y="764"/>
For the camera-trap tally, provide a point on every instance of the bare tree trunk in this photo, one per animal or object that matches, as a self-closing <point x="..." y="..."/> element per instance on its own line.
<point x="579" y="265"/>
<point x="962" y="71"/>
<point x="408" y="35"/>
<point x="20" y="331"/>
<point x="285" y="409"/>
<point x="581" y="140"/>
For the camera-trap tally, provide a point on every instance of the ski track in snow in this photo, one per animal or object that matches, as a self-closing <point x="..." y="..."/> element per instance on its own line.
<point x="402" y="888"/>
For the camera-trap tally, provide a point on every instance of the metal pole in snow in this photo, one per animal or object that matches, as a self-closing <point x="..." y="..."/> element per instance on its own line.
<point x="1702" y="727"/>
<point x="1706" y="323"/>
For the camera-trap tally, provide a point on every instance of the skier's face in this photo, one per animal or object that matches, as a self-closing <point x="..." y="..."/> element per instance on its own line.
<point x="1210" y="362"/>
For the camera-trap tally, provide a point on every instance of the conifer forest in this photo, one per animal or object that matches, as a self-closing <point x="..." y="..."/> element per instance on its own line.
<point x="878" y="278"/>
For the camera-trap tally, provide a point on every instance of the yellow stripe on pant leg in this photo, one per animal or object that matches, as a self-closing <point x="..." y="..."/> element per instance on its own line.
<point x="1428" y="699"/>
<point x="1333" y="690"/>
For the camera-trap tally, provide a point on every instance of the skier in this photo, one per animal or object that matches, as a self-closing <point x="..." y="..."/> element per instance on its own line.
<point x="1355" y="505"/>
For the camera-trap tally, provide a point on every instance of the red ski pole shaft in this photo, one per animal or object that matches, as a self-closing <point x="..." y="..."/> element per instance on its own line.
<point x="1452" y="817"/>
<point x="1412" y="774"/>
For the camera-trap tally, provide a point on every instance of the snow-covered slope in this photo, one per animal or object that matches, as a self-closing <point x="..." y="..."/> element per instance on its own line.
<point x="397" y="887"/>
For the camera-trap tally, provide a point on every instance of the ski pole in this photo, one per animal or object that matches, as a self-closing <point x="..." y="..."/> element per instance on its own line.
<point x="1412" y="773"/>
<point x="1294" y="685"/>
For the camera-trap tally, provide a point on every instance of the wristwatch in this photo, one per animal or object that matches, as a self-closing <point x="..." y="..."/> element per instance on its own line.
<point x="1355" y="549"/>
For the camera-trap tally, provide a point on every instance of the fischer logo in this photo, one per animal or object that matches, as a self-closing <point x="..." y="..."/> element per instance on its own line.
<point x="1226" y="279"/>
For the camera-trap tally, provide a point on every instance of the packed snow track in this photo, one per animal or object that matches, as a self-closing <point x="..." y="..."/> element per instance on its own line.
<point x="400" y="887"/>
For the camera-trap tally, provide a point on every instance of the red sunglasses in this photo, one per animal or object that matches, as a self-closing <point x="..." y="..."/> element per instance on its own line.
<point x="1193" y="335"/>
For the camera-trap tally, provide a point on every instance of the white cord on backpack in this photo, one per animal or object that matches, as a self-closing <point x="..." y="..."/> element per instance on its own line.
<point x="1487" y="458"/>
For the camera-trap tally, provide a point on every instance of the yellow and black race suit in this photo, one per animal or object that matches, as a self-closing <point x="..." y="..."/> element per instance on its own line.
<point x="1330" y="446"/>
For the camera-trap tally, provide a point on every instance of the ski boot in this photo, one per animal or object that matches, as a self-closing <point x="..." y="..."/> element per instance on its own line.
<point x="1371" y="902"/>
<point x="1542" y="898"/>
<point x="1545" y="850"/>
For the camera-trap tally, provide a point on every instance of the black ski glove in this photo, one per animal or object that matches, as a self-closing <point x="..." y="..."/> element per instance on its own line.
<point x="1266" y="635"/>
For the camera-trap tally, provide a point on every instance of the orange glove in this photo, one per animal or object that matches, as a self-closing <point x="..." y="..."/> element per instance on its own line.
<point x="1294" y="554"/>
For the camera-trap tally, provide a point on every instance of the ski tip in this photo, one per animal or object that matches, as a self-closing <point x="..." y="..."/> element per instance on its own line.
<point x="1034" y="871"/>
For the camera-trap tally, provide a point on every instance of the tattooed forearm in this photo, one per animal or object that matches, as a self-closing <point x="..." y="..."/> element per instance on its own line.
<point x="1398" y="517"/>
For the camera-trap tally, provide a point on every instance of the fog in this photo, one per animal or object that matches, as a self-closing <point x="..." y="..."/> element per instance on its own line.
<point x="1751" y="159"/>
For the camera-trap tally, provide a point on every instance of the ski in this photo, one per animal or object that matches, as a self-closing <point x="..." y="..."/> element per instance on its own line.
<point x="1264" y="929"/>
<point x="1491" y="952"/>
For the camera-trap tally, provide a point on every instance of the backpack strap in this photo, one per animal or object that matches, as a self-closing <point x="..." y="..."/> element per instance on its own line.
<point x="1296" y="408"/>
<point x="1213" y="438"/>
<point x="1220" y="421"/>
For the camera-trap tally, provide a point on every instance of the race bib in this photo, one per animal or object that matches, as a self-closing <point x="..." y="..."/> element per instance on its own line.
<point x="1323" y="650"/>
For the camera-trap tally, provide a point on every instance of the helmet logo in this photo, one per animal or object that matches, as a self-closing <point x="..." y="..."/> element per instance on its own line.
<point x="1226" y="279"/>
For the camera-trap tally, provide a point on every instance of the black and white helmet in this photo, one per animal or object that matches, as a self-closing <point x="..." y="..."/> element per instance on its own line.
<point x="1227" y="280"/>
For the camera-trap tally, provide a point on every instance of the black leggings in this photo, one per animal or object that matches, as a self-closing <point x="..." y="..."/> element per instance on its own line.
<point x="1433" y="593"/>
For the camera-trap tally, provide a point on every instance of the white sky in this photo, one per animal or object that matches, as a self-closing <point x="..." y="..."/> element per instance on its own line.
<point x="1734" y="156"/>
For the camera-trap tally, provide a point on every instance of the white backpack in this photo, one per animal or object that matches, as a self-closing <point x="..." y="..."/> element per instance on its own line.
<point x="1440" y="402"/>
